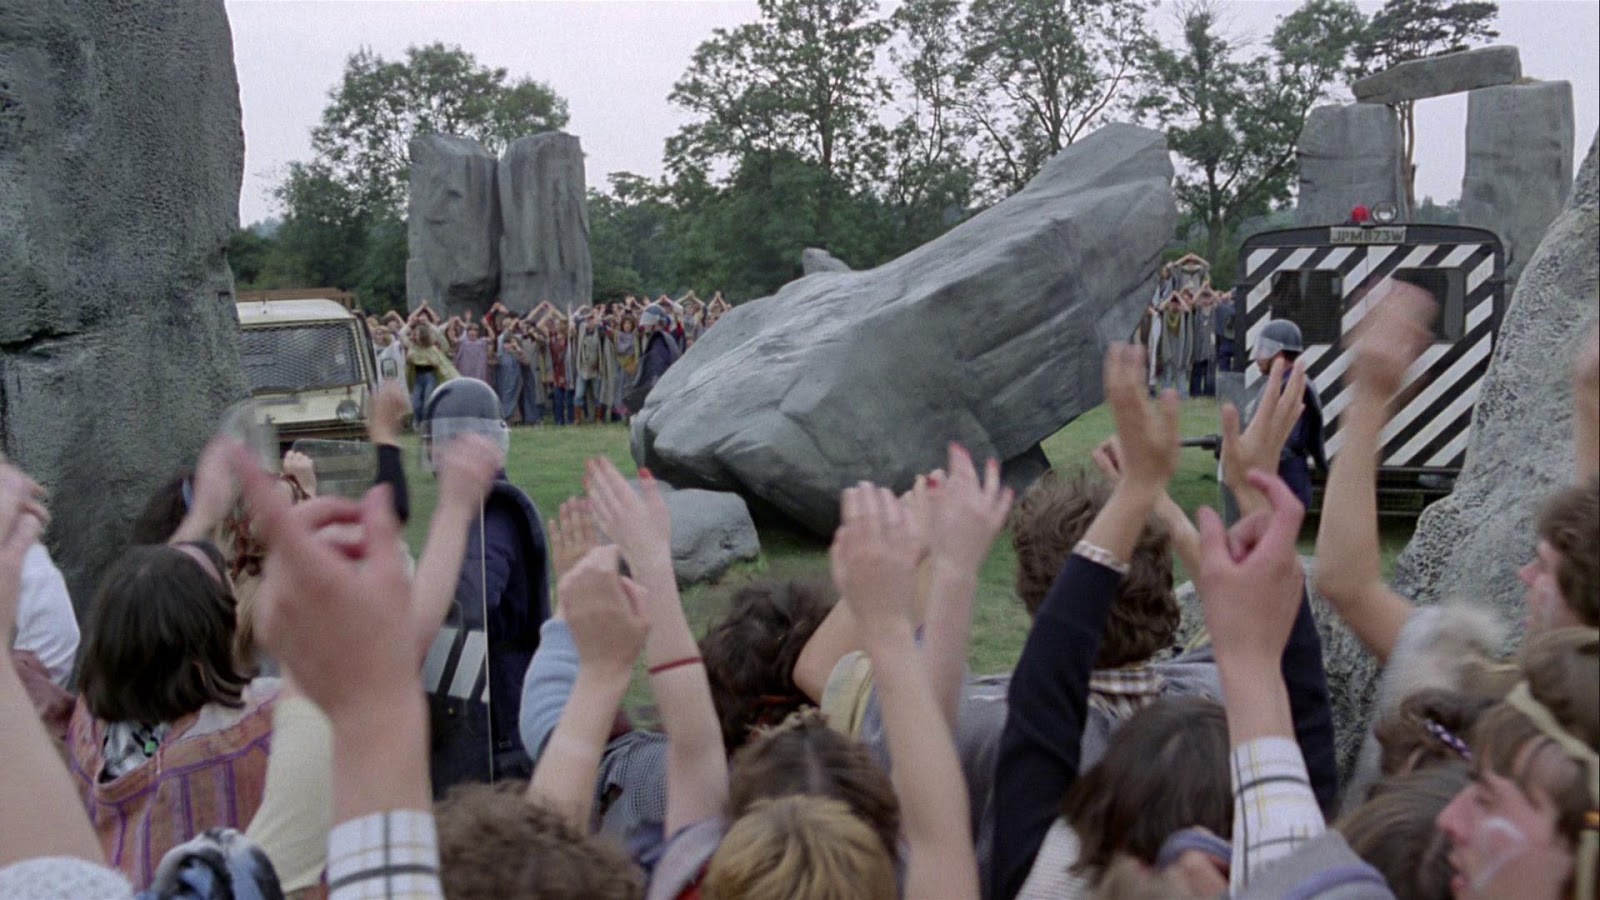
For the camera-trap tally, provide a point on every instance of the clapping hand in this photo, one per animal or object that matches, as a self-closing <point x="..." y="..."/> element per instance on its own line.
<point x="637" y="520"/>
<point x="1261" y="443"/>
<point x="874" y="555"/>
<point x="572" y="535"/>
<point x="1147" y="433"/>
<point x="604" y="612"/>
<point x="1390" y="338"/>
<point x="1250" y="580"/>
<point x="965" y="512"/>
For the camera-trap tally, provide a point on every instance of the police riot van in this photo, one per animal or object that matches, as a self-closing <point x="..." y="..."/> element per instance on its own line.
<point x="310" y="366"/>
<point x="1323" y="280"/>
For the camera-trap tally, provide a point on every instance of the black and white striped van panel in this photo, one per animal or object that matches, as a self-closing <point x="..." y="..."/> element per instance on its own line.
<point x="1430" y="429"/>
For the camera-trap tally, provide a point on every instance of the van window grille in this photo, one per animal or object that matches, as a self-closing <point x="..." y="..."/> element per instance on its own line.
<point x="305" y="357"/>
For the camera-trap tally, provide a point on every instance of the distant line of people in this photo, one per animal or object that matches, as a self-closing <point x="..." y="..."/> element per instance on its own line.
<point x="595" y="365"/>
<point x="1188" y="330"/>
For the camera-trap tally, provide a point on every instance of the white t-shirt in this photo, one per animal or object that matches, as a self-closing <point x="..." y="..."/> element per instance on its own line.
<point x="46" y="625"/>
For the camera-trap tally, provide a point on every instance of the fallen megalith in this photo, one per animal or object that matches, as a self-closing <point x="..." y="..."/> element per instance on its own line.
<point x="452" y="225"/>
<point x="1436" y="76"/>
<point x="816" y="259"/>
<point x="544" y="216"/>
<point x="991" y="335"/>
<point x="121" y="155"/>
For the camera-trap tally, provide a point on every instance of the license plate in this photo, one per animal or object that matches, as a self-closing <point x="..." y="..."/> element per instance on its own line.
<point x="1392" y="234"/>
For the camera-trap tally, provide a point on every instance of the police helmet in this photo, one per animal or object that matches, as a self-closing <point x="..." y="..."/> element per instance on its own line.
<point x="460" y="407"/>
<point x="1278" y="336"/>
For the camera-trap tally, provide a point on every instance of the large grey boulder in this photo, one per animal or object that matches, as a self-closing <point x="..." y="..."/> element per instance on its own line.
<point x="453" y="225"/>
<point x="121" y="155"/>
<point x="991" y="335"/>
<point x="1348" y="155"/>
<point x="544" y="214"/>
<point x="1519" y="163"/>
<point x="816" y="259"/>
<point x="1352" y="672"/>
<point x="1470" y="544"/>
<point x="711" y="530"/>
<point x="1436" y="76"/>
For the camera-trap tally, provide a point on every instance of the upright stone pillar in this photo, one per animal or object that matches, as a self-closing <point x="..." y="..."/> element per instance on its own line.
<point x="1349" y="155"/>
<point x="1519" y="163"/>
<point x="121" y="154"/>
<point x="544" y="209"/>
<point x="453" y="225"/>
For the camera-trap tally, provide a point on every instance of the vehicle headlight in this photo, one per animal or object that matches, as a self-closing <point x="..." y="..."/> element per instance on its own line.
<point x="1384" y="213"/>
<point x="349" y="411"/>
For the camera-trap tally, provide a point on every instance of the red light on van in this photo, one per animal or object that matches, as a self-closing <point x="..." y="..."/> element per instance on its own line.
<point x="1360" y="215"/>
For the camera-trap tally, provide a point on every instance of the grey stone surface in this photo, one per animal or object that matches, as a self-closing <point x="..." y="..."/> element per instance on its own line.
<point x="544" y="214"/>
<point x="1519" y="163"/>
<point x="121" y="154"/>
<point x="453" y="225"/>
<point x="1436" y="76"/>
<point x="816" y="259"/>
<point x="1348" y="155"/>
<point x="1470" y="544"/>
<point x="1352" y="672"/>
<point x="991" y="335"/>
<point x="711" y="530"/>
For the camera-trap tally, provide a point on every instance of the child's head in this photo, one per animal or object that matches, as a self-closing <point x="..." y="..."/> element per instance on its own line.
<point x="495" y="843"/>
<point x="750" y="654"/>
<point x="1164" y="770"/>
<point x="1393" y="830"/>
<point x="1563" y="579"/>
<point x="800" y="847"/>
<point x="1527" y="823"/>
<point x="1050" y="519"/>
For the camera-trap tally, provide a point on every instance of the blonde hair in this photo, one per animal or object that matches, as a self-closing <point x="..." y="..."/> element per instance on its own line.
<point x="800" y="848"/>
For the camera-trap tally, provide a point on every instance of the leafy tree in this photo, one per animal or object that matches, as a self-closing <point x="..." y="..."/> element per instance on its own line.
<point x="1234" y="114"/>
<point x="1039" y="74"/>
<point x="379" y="105"/>
<point x="797" y="83"/>
<point x="1404" y="30"/>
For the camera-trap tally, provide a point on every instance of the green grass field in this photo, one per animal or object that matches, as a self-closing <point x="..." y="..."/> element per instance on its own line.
<point x="547" y="462"/>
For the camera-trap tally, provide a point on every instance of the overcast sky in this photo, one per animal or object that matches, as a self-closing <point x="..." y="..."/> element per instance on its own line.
<point x="616" y="60"/>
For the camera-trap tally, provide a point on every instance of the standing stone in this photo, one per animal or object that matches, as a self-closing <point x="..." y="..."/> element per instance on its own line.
<point x="544" y="207"/>
<point x="816" y="259"/>
<point x="1470" y="544"/>
<point x="1519" y="163"/>
<point x="1349" y="155"/>
<point x="1436" y="76"/>
<point x="453" y="222"/>
<point x="991" y="335"/>
<point x="121" y="155"/>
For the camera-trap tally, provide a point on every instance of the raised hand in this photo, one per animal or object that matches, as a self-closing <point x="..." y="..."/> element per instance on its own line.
<point x="390" y="406"/>
<point x="1250" y="579"/>
<point x="1148" y="433"/>
<point x="966" y="512"/>
<point x="637" y="520"/>
<point x="303" y="469"/>
<point x="572" y="535"/>
<point x="468" y="466"/>
<point x="1390" y="338"/>
<point x="875" y="554"/>
<point x="213" y="491"/>
<point x="604" y="612"/>
<point x="1108" y="459"/>
<point x="1261" y="443"/>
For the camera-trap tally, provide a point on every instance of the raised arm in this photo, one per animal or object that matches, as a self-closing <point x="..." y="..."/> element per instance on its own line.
<point x="1185" y="539"/>
<point x="875" y="555"/>
<point x="1250" y="584"/>
<point x="1389" y="340"/>
<point x="467" y="468"/>
<point x="697" y="769"/>
<point x="604" y="613"/>
<point x="1261" y="444"/>
<point x="965" y="514"/>
<point x="389" y="407"/>
<point x="213" y="492"/>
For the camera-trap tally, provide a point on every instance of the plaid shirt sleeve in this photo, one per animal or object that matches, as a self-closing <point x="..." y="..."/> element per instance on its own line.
<point x="385" y="856"/>
<point x="1274" y="808"/>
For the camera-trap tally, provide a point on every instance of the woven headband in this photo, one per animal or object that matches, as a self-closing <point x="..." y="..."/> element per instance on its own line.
<point x="1522" y="700"/>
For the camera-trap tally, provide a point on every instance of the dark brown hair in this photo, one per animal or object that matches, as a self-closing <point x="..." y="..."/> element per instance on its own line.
<point x="1404" y="740"/>
<point x="1164" y="770"/>
<point x="163" y="512"/>
<point x="805" y="756"/>
<point x="495" y="843"/>
<point x="1050" y="520"/>
<point x="1394" y="831"/>
<point x="750" y="654"/>
<point x="159" y="641"/>
<point x="1570" y="522"/>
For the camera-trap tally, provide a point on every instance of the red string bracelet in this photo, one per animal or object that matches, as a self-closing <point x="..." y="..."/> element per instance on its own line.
<point x="677" y="663"/>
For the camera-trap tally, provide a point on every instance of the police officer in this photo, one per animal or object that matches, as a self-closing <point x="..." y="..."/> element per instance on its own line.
<point x="474" y="671"/>
<point x="1280" y="338"/>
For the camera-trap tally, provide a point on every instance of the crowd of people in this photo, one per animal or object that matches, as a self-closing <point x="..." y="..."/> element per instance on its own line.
<point x="594" y="365"/>
<point x="1188" y="330"/>
<point x="821" y="740"/>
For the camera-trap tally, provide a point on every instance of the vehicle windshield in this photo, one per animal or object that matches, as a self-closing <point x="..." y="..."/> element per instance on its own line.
<point x="302" y="357"/>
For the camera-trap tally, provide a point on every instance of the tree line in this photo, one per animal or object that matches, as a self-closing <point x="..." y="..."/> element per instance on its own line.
<point x="831" y="123"/>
